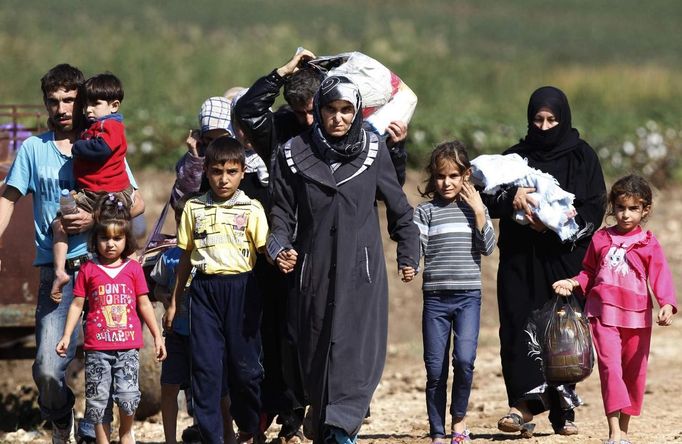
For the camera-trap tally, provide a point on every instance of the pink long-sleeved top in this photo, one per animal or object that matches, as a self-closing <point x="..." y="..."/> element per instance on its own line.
<point x="615" y="272"/>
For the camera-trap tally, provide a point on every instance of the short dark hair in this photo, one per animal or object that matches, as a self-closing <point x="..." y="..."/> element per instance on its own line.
<point x="110" y="213"/>
<point x="224" y="149"/>
<point x="61" y="76"/>
<point x="301" y="86"/>
<point x="105" y="86"/>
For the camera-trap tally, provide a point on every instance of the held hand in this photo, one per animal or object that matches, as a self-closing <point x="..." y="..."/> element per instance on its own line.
<point x="397" y="132"/>
<point x="293" y="65"/>
<point x="408" y="274"/>
<point x="564" y="287"/>
<point x="286" y="260"/>
<point x="63" y="346"/>
<point x="160" y="349"/>
<point x="665" y="315"/>
<point x="77" y="222"/>
<point x="192" y="142"/>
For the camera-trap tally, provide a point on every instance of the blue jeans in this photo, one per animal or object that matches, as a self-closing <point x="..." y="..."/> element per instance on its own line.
<point x="458" y="311"/>
<point x="55" y="398"/>
<point x="111" y="375"/>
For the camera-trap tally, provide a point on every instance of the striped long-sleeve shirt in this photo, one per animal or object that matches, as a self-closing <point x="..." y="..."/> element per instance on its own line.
<point x="452" y="245"/>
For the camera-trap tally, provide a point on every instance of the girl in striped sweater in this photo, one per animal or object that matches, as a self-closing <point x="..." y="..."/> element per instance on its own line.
<point x="455" y="230"/>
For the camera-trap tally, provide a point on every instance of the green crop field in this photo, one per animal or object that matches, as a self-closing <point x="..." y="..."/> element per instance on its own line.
<point x="472" y="64"/>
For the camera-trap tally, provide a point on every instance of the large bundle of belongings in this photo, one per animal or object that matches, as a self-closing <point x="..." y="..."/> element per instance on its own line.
<point x="385" y="97"/>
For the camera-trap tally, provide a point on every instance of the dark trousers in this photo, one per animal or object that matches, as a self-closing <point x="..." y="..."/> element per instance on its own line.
<point x="457" y="311"/>
<point x="225" y="317"/>
<point x="278" y="396"/>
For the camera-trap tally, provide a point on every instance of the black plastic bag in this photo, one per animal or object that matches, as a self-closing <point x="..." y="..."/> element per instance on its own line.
<point x="561" y="340"/>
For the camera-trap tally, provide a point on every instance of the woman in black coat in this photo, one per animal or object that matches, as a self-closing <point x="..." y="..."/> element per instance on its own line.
<point x="532" y="257"/>
<point x="325" y="229"/>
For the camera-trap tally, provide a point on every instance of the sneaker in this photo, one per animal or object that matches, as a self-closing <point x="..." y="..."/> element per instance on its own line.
<point x="63" y="434"/>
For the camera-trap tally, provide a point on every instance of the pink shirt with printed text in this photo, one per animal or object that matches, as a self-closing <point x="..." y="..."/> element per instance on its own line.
<point x="112" y="322"/>
<point x="617" y="271"/>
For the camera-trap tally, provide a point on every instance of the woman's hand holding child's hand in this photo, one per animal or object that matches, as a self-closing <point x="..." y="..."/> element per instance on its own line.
<point x="63" y="346"/>
<point x="407" y="273"/>
<point x="564" y="287"/>
<point x="286" y="260"/>
<point x="665" y="315"/>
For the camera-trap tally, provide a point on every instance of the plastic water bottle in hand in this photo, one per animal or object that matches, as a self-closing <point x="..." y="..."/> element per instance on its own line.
<point x="67" y="204"/>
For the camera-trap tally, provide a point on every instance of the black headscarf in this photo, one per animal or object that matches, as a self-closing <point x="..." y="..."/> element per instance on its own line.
<point x="348" y="146"/>
<point x="553" y="142"/>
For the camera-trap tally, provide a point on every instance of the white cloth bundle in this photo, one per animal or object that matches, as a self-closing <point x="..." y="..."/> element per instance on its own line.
<point x="555" y="206"/>
<point x="385" y="97"/>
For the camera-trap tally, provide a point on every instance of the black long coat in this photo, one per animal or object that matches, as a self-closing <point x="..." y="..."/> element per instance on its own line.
<point x="339" y="309"/>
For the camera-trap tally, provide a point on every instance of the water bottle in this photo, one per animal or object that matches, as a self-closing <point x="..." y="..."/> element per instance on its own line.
<point x="67" y="204"/>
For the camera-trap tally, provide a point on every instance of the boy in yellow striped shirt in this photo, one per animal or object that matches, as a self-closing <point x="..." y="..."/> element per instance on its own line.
<point x="221" y="231"/>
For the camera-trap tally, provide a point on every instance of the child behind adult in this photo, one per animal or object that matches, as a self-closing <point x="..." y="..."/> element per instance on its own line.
<point x="622" y="262"/>
<point x="175" y="370"/>
<point x="220" y="233"/>
<point x="99" y="160"/>
<point x="116" y="293"/>
<point x="455" y="230"/>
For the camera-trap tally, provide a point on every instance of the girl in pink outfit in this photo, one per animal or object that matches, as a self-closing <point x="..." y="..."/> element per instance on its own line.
<point x="620" y="264"/>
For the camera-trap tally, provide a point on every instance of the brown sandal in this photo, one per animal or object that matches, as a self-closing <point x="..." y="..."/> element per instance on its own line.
<point x="510" y="423"/>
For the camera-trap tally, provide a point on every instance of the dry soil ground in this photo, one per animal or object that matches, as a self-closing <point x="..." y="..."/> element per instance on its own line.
<point x="398" y="409"/>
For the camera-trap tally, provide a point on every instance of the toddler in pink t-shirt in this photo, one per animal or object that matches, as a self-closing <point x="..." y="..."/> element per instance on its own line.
<point x="116" y="291"/>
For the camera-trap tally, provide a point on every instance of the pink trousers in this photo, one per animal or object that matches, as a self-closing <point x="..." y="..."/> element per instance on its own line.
<point x="622" y="356"/>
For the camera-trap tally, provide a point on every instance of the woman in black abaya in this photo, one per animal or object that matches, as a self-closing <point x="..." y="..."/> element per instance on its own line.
<point x="532" y="257"/>
<point x="325" y="230"/>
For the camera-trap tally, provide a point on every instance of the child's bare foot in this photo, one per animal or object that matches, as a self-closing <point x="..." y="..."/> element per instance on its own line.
<point x="60" y="280"/>
<point x="127" y="438"/>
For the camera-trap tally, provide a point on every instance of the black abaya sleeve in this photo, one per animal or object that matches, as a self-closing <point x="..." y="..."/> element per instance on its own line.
<point x="399" y="212"/>
<point x="590" y="200"/>
<point x="500" y="204"/>
<point x="283" y="211"/>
